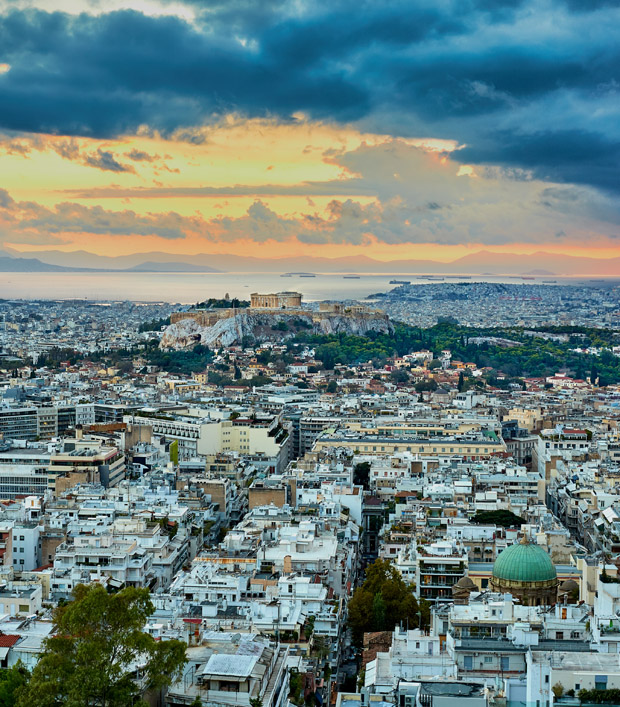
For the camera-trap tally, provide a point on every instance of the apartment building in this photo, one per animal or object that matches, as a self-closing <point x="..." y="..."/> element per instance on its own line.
<point x="20" y="598"/>
<point x="470" y="447"/>
<point x="85" y="461"/>
<point x="438" y="566"/>
<point x="26" y="546"/>
<point x="564" y="443"/>
<point x="256" y="437"/>
<point x="19" y="423"/>
<point x="97" y="558"/>
<point x="236" y="670"/>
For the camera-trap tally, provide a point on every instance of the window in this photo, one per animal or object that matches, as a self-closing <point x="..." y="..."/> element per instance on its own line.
<point x="600" y="682"/>
<point x="488" y="659"/>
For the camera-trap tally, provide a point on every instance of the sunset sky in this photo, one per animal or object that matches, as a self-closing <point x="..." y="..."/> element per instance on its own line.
<point x="414" y="129"/>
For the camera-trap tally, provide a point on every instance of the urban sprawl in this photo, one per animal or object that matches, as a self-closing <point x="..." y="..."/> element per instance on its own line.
<point x="408" y="501"/>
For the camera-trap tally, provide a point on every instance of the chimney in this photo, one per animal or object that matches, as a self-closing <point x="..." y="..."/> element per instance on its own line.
<point x="287" y="564"/>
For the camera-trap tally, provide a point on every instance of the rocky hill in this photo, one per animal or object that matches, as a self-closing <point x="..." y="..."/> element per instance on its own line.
<point x="263" y="326"/>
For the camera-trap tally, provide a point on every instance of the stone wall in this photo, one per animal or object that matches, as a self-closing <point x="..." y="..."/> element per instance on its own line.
<point x="204" y="317"/>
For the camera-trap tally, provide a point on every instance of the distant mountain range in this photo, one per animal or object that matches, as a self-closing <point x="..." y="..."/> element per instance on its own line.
<point x="10" y="263"/>
<point x="539" y="264"/>
<point x="169" y="267"/>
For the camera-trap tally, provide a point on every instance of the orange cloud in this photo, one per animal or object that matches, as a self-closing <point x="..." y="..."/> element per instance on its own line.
<point x="205" y="190"/>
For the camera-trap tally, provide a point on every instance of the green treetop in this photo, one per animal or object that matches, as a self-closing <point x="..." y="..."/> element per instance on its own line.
<point x="383" y="601"/>
<point x="96" y="646"/>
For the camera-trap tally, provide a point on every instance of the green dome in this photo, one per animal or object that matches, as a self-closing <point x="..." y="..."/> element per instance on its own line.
<point x="524" y="562"/>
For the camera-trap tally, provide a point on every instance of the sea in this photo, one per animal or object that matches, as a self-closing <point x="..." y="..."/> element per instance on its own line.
<point x="187" y="288"/>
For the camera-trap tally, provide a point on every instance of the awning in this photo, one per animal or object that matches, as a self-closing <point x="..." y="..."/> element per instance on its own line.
<point x="4" y="652"/>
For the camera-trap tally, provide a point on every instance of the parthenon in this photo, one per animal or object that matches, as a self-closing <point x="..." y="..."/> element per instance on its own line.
<point x="279" y="300"/>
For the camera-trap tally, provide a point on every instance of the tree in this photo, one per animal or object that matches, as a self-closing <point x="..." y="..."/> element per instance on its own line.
<point x="91" y="654"/>
<point x="320" y="647"/>
<point x="426" y="386"/>
<point x="309" y="627"/>
<point x="399" y="376"/>
<point x="361" y="474"/>
<point x="378" y="612"/>
<point x="382" y="602"/>
<point x="593" y="375"/>
<point x="600" y="697"/>
<point x="295" y="687"/>
<point x="332" y="387"/>
<point x="461" y="383"/>
<point x="500" y="516"/>
<point x="11" y="681"/>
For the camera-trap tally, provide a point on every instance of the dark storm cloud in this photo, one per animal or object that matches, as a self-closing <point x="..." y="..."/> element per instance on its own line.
<point x="563" y="155"/>
<point x="525" y="85"/>
<point x="105" y="160"/>
<point x="141" y="156"/>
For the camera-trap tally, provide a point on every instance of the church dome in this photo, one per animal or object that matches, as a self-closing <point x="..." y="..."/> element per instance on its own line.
<point x="466" y="583"/>
<point x="568" y="585"/>
<point x="524" y="563"/>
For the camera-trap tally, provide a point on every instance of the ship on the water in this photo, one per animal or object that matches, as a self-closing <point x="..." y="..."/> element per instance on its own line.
<point x="400" y="282"/>
<point x="350" y="277"/>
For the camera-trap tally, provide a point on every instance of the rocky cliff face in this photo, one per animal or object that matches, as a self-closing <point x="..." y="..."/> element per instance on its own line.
<point x="272" y="326"/>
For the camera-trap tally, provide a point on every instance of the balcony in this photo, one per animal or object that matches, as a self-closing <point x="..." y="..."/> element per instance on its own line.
<point x="437" y="571"/>
<point x="609" y="629"/>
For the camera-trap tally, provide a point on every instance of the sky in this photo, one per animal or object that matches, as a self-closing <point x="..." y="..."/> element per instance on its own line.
<point x="271" y="128"/>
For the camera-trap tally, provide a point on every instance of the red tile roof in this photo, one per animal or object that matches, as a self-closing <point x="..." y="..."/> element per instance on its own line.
<point x="7" y="640"/>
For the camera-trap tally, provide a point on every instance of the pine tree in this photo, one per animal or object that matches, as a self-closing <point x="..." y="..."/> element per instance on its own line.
<point x="88" y="659"/>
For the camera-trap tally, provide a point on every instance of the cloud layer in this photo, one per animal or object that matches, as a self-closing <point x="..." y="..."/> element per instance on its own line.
<point x="527" y="84"/>
<point x="396" y="194"/>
